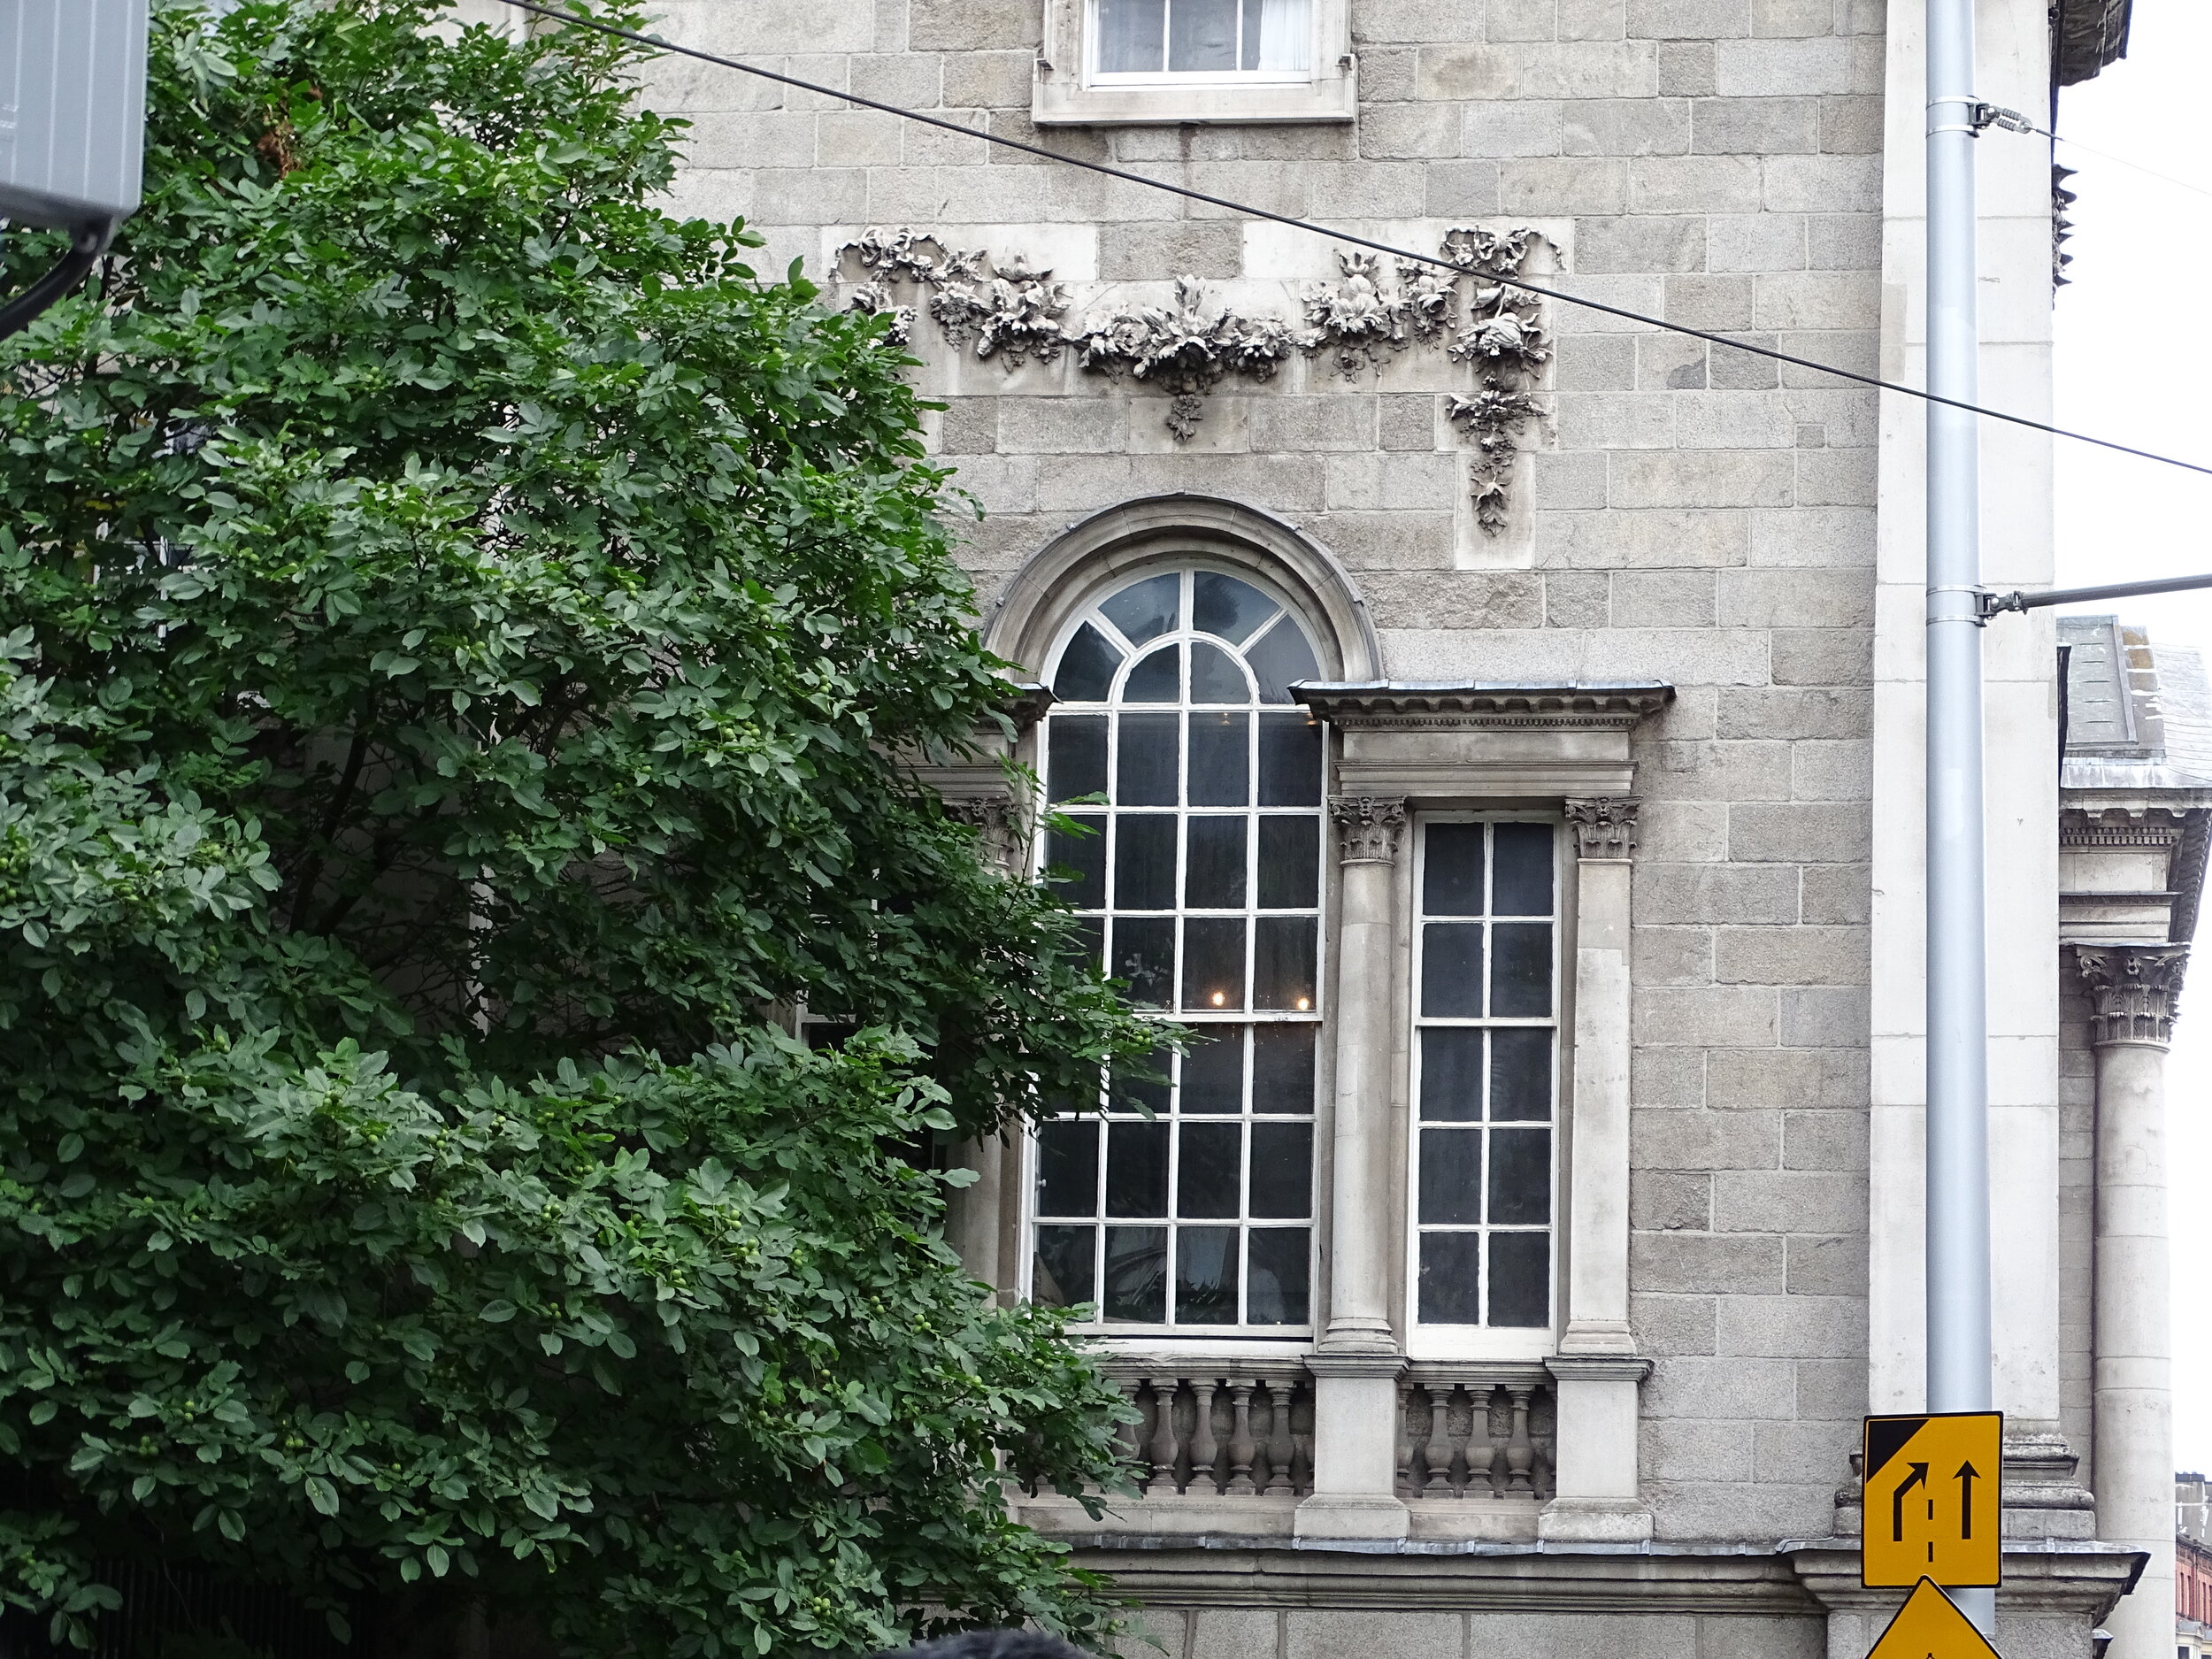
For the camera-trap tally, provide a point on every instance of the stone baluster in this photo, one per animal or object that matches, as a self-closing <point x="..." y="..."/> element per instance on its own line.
<point x="1163" y="1447"/>
<point x="1128" y="1436"/>
<point x="1204" y="1448"/>
<point x="1301" y="1444"/>
<point x="1495" y="1466"/>
<point x="1242" y="1450"/>
<point x="1520" y="1451"/>
<point x="1281" y="1453"/>
<point x="1437" y="1450"/>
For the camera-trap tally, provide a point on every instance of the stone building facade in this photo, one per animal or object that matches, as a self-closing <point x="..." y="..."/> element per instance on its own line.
<point x="1498" y="726"/>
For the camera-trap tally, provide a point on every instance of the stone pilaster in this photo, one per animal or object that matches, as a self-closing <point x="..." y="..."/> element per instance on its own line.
<point x="1356" y="1370"/>
<point x="2132" y="992"/>
<point x="1596" y="1374"/>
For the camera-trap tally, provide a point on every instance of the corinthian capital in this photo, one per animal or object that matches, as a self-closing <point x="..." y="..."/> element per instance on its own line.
<point x="1367" y="828"/>
<point x="1604" y="825"/>
<point x="2133" y="990"/>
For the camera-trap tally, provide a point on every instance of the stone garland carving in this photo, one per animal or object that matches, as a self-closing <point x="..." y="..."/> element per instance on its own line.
<point x="1367" y="828"/>
<point x="1014" y="311"/>
<point x="2133" y="990"/>
<point x="1604" y="825"/>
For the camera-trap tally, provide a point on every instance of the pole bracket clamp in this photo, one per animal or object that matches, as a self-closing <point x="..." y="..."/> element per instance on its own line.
<point x="1988" y="115"/>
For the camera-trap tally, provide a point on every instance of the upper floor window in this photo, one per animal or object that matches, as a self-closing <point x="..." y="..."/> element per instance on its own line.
<point x="1485" y="1060"/>
<point x="1140" y="40"/>
<point x="1194" y="787"/>
<point x="1115" y="62"/>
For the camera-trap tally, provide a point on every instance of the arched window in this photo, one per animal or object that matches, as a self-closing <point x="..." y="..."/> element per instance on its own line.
<point x="1194" y="787"/>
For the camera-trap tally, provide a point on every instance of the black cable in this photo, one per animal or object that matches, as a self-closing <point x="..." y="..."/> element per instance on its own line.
<point x="1526" y="286"/>
<point x="87" y="242"/>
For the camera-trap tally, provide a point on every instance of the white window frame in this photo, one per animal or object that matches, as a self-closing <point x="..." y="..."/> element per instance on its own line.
<point x="1068" y="92"/>
<point x="1172" y="1337"/>
<point x="1426" y="1341"/>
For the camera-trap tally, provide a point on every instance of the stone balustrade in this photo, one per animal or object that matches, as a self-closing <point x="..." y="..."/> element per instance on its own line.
<point x="1475" y="1430"/>
<point x="1216" y="1429"/>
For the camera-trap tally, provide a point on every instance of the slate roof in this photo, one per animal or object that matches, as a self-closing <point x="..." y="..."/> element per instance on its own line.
<point x="2137" y="718"/>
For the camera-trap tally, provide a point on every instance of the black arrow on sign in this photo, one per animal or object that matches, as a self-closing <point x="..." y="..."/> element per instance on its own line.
<point x="1966" y="1477"/>
<point x="1918" y="1478"/>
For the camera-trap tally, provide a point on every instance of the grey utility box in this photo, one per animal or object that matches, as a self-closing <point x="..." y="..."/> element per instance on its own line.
<point x="72" y="109"/>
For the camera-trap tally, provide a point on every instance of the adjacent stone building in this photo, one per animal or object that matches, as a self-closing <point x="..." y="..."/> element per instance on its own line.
<point x="1496" y="724"/>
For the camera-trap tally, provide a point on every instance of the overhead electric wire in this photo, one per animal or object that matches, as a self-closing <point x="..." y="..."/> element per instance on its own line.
<point x="1353" y="238"/>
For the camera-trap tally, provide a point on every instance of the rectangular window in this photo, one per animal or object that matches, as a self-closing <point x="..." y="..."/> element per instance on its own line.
<point x="1200" y="1214"/>
<point x="1135" y="42"/>
<point x="1485" y="1061"/>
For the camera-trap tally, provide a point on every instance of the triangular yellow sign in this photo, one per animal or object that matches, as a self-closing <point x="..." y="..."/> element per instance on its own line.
<point x="1929" y="1627"/>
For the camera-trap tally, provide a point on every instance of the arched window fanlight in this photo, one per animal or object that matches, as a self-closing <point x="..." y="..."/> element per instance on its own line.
<point x="1193" y="786"/>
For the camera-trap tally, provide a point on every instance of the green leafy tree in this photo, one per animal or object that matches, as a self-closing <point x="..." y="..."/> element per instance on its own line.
<point x="458" y="632"/>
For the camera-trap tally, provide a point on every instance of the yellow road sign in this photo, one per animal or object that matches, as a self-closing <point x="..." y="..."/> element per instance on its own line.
<point x="1929" y="1627"/>
<point x="1930" y="1497"/>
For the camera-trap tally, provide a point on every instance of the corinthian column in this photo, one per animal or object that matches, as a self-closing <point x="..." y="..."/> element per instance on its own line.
<point x="2133" y="990"/>
<point x="1356" y="1370"/>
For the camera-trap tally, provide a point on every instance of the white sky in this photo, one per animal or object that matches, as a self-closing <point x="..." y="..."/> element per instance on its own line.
<point x="2135" y="364"/>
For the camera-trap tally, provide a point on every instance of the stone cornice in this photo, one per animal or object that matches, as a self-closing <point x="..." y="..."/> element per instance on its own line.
<point x="1397" y="705"/>
<point x="2133" y="990"/>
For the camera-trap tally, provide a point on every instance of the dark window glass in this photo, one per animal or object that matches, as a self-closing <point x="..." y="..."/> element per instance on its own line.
<point x="1090" y="940"/>
<point x="1215" y="677"/>
<point x="1451" y="870"/>
<point x="1280" y="1266"/>
<point x="1220" y="760"/>
<point x="1065" y="1265"/>
<point x="1201" y="35"/>
<point x="1451" y="1074"/>
<point x="828" y="1034"/>
<point x="1144" y="772"/>
<point x="1282" y="657"/>
<point x="1451" y="1177"/>
<point x="1136" y="1274"/>
<point x="1087" y="667"/>
<point x="1144" y="861"/>
<point x="1282" y="1171"/>
<point x="1136" y="1168"/>
<point x="1213" y="874"/>
<point x="1520" y="1075"/>
<point x="1206" y="1275"/>
<point x="1213" y="1072"/>
<point x="1520" y="884"/>
<point x="1282" y="1069"/>
<point x="1290" y="761"/>
<point x="1143" y="1086"/>
<point x="1213" y="962"/>
<point x="1520" y="969"/>
<point x="1520" y="1178"/>
<point x="1081" y="852"/>
<point x="1290" y="864"/>
<point x="1157" y="678"/>
<point x="1284" y="961"/>
<point x="1208" y="1170"/>
<point x="1450" y="1288"/>
<point x="1225" y="606"/>
<point x="1144" y="955"/>
<point x="1076" y="761"/>
<point x="1520" y="1279"/>
<point x="1067" y="1169"/>
<point x="1451" y="969"/>
<point x="1146" y="609"/>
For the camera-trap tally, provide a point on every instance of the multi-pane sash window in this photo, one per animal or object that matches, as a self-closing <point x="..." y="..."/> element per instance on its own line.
<point x="1154" y="40"/>
<point x="1486" y="1059"/>
<point x="1194" y="787"/>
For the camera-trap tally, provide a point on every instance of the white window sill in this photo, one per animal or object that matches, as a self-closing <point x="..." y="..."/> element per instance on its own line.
<point x="1061" y="99"/>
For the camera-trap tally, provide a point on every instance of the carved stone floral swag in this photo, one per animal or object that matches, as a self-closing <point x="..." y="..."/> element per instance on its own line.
<point x="1014" y="311"/>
